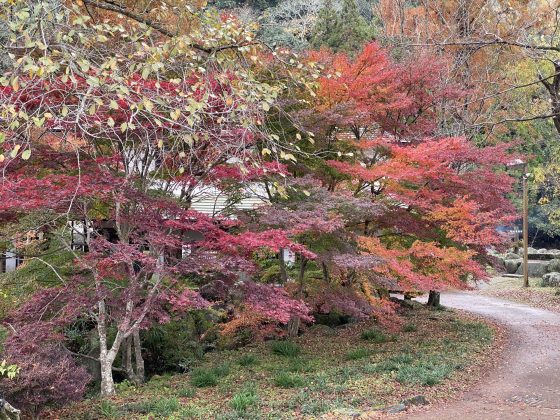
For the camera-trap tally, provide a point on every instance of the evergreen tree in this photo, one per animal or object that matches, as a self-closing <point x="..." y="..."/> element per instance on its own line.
<point x="345" y="31"/>
<point x="325" y="27"/>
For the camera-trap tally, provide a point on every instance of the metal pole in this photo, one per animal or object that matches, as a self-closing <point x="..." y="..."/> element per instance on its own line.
<point x="525" y="230"/>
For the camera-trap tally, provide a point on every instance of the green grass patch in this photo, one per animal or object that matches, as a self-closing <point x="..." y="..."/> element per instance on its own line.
<point x="186" y="392"/>
<point x="288" y="380"/>
<point x="205" y="377"/>
<point x="244" y="399"/>
<point x="425" y="373"/>
<point x="297" y="365"/>
<point x="248" y="360"/>
<point x="376" y="336"/>
<point x="285" y="348"/>
<point x="192" y="411"/>
<point x="394" y="363"/>
<point x="409" y="327"/>
<point x="358" y="353"/>
<point x="107" y="409"/>
<point x="472" y="330"/>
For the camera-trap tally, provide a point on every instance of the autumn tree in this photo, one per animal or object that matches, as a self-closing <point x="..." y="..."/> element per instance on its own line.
<point x="374" y="125"/>
<point x="126" y="123"/>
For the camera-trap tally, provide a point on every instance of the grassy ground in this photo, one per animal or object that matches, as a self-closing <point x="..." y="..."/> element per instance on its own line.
<point x="512" y="289"/>
<point x="323" y="372"/>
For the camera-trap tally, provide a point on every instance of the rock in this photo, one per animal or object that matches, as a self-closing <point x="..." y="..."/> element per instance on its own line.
<point x="551" y="279"/>
<point x="511" y="256"/>
<point x="417" y="400"/>
<point x="543" y="251"/>
<point x="536" y="268"/>
<point x="553" y="265"/>
<point x="532" y="250"/>
<point x="512" y="265"/>
<point x="395" y="408"/>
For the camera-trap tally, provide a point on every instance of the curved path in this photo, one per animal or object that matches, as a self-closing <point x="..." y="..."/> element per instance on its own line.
<point x="526" y="384"/>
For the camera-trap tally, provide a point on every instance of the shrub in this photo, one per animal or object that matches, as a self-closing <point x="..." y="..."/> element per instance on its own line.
<point x="175" y="346"/>
<point x="248" y="360"/>
<point x="244" y="399"/>
<point x="288" y="380"/>
<point x="285" y="348"/>
<point x="47" y="376"/>
<point x="358" y="353"/>
<point x="376" y="336"/>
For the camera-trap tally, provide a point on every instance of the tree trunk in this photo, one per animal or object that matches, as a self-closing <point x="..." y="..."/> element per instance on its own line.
<point x="433" y="298"/>
<point x="138" y="359"/>
<point x="106" y="356"/>
<point x="7" y="411"/>
<point x="325" y="272"/>
<point x="301" y="276"/>
<point x="293" y="326"/>
<point x="283" y="272"/>
<point x="107" y="383"/>
<point x="127" y="358"/>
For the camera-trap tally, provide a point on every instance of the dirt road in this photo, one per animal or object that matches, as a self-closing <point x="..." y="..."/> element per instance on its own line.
<point x="526" y="383"/>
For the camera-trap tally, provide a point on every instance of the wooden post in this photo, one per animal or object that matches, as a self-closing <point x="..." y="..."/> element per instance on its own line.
<point x="525" y="229"/>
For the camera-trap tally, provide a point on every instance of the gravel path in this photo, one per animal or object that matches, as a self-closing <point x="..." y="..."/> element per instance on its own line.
<point x="526" y="384"/>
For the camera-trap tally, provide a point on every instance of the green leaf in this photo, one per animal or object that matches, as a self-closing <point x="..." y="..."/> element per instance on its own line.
<point x="26" y="154"/>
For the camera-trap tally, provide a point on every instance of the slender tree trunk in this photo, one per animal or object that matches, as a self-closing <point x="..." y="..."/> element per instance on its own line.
<point x="301" y="276"/>
<point x="283" y="272"/>
<point x="127" y="358"/>
<point x="325" y="272"/>
<point x="293" y="326"/>
<point x="138" y="359"/>
<point x="433" y="298"/>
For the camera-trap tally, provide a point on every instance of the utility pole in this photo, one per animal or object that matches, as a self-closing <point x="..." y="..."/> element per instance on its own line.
<point x="525" y="228"/>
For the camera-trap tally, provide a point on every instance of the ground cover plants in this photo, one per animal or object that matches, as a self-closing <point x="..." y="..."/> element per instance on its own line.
<point x="326" y="373"/>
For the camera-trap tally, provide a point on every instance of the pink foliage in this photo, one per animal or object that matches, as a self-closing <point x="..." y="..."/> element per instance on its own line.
<point x="273" y="302"/>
